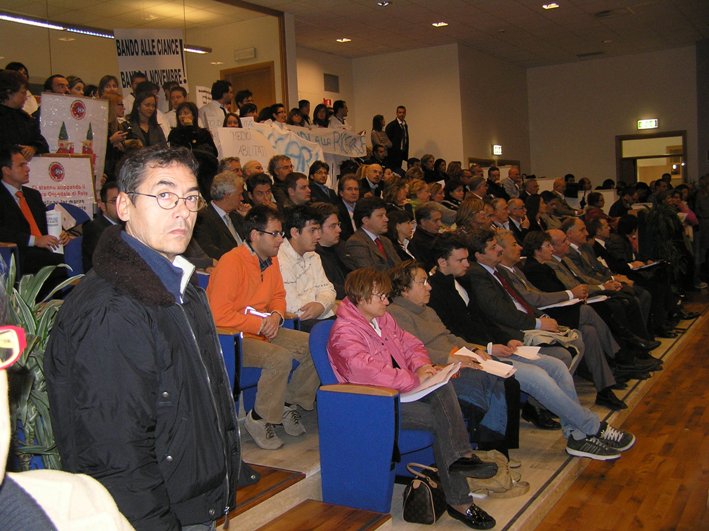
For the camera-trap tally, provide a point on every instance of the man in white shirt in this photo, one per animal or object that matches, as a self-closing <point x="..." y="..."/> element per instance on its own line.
<point x="213" y="114"/>
<point x="310" y="296"/>
<point x="337" y="120"/>
<point x="177" y="95"/>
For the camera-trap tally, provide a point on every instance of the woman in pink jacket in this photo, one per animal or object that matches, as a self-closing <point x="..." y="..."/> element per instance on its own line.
<point x="367" y="347"/>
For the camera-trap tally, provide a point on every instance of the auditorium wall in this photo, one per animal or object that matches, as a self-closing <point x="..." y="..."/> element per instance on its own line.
<point x="577" y="109"/>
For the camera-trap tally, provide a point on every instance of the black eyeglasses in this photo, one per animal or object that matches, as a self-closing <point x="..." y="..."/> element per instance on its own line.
<point x="169" y="200"/>
<point x="275" y="233"/>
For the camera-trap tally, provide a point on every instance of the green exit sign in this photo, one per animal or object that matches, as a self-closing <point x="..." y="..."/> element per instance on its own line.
<point x="648" y="124"/>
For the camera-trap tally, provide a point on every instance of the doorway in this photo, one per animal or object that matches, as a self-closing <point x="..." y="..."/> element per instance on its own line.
<point x="258" y="78"/>
<point x="644" y="158"/>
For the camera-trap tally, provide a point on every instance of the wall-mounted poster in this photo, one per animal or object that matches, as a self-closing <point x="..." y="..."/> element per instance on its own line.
<point x="76" y="125"/>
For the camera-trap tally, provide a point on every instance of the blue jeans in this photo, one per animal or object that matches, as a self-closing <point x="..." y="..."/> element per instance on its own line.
<point x="549" y="381"/>
<point x="486" y="392"/>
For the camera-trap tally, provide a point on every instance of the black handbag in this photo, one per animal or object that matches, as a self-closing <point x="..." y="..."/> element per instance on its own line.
<point x="424" y="500"/>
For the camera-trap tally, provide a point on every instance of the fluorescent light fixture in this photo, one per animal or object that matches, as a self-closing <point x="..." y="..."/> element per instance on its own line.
<point x="30" y="21"/>
<point x="83" y="30"/>
<point x="344" y="39"/>
<point x="551" y="5"/>
<point x="191" y="48"/>
<point x="651" y="123"/>
<point x="497" y="149"/>
<point x="439" y="24"/>
<point x="91" y="32"/>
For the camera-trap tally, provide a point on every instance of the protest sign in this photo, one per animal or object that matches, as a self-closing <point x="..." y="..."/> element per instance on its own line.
<point x="334" y="141"/>
<point x="202" y="96"/>
<point x="63" y="179"/>
<point x="78" y="125"/>
<point x="247" y="144"/>
<point x="281" y="141"/>
<point x="158" y="53"/>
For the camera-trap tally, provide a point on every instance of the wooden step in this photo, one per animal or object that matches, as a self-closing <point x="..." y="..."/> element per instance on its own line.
<point x="314" y="515"/>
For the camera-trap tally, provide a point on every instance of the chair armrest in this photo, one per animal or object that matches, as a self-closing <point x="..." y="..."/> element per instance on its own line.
<point x="369" y="390"/>
<point x="228" y="331"/>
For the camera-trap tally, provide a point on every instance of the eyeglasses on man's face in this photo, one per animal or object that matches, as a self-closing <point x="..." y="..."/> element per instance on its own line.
<point x="169" y="200"/>
<point x="275" y="233"/>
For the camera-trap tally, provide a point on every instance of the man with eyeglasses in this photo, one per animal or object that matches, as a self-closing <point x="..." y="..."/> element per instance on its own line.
<point x="138" y="392"/>
<point x="93" y="229"/>
<point x="246" y="293"/>
<point x="330" y="247"/>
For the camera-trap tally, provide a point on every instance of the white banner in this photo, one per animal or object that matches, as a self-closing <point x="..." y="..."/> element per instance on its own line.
<point x="334" y="141"/>
<point x="281" y="141"/>
<point x="63" y="179"/>
<point x="247" y="144"/>
<point x="77" y="125"/>
<point x="158" y="53"/>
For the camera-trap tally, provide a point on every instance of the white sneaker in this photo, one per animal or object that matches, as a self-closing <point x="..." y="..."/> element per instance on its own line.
<point x="291" y="421"/>
<point x="263" y="433"/>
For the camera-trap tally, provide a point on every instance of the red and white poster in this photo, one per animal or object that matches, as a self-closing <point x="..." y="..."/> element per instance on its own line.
<point x="63" y="179"/>
<point x="76" y="125"/>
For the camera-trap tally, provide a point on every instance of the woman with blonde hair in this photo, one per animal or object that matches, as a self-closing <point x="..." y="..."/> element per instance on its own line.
<point x="419" y="193"/>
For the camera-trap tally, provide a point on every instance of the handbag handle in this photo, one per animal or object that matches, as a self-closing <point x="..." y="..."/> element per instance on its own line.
<point x="414" y="472"/>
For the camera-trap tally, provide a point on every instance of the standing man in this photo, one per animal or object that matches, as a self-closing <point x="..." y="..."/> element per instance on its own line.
<point x="135" y="79"/>
<point x="138" y="391"/>
<point x="398" y="132"/>
<point x="213" y="114"/>
<point x="337" y="120"/>
<point x="246" y="292"/>
<point x="93" y="229"/>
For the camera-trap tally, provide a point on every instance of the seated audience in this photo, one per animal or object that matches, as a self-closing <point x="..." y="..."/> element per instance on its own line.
<point x="246" y="293"/>
<point x="348" y="192"/>
<point x="400" y="230"/>
<point x="258" y="189"/>
<point x="530" y="188"/>
<point x="494" y="188"/>
<point x="279" y="167"/>
<point x="310" y="296"/>
<point x="518" y="221"/>
<point x="370" y="184"/>
<point x="481" y="395"/>
<point x="454" y="193"/>
<point x="512" y="184"/>
<point x="547" y="379"/>
<point x="428" y="225"/>
<point x="359" y="356"/>
<point x="297" y="189"/>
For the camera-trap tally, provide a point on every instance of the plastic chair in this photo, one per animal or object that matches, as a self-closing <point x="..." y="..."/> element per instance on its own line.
<point x="360" y="438"/>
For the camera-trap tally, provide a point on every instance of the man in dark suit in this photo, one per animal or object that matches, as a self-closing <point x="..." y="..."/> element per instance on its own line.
<point x="371" y="184"/>
<point x="494" y="188"/>
<point x="368" y="246"/>
<point x="23" y="218"/>
<point x="219" y="226"/>
<point x="348" y="191"/>
<point x="398" y="132"/>
<point x="93" y="229"/>
<point x="519" y="224"/>
<point x="320" y="192"/>
<point x="428" y="225"/>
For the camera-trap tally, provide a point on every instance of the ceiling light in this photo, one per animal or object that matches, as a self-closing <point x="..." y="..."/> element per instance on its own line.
<point x="606" y="41"/>
<point x="439" y="24"/>
<point x="383" y="4"/>
<point x="91" y="32"/>
<point x="216" y="63"/>
<point x="67" y="39"/>
<point x="30" y="21"/>
<point x="344" y="39"/>
<point x="552" y="5"/>
<point x="191" y="48"/>
<point x="150" y="17"/>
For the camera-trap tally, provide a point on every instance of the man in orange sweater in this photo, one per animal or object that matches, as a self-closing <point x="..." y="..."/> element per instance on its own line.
<point x="246" y="292"/>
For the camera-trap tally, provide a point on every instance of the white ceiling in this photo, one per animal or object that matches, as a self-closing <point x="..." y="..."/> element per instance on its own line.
<point x="519" y="31"/>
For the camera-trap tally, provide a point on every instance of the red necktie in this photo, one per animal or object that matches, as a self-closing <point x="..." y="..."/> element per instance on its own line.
<point x="380" y="246"/>
<point x="514" y="294"/>
<point x="25" y="208"/>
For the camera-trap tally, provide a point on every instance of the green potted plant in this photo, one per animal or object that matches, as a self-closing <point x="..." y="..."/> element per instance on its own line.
<point x="33" y="436"/>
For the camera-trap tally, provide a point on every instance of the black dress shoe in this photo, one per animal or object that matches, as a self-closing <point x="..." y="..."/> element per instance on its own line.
<point x="539" y="417"/>
<point x="473" y="467"/>
<point x="473" y="517"/>
<point x="685" y="316"/>
<point x="606" y="398"/>
<point x="620" y="385"/>
<point x="638" y="342"/>
<point x="667" y="333"/>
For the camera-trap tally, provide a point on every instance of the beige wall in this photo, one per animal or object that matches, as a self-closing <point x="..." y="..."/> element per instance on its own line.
<point x="260" y="33"/>
<point x="577" y="109"/>
<point x="427" y="82"/>
<point x="311" y="67"/>
<point x="493" y="106"/>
